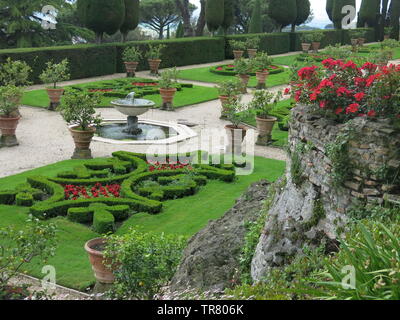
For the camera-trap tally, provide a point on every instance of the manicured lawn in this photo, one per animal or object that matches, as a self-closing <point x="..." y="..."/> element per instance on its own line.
<point x="204" y="75"/>
<point x="183" y="216"/>
<point x="186" y="97"/>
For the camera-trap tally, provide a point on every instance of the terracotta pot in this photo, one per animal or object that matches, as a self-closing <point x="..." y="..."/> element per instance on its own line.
<point x="261" y="78"/>
<point x="238" y="54"/>
<point x="96" y="258"/>
<point x="154" y="65"/>
<point x="252" y="53"/>
<point x="361" y="41"/>
<point x="55" y="97"/>
<point x="131" y="68"/>
<point x="82" y="141"/>
<point x="8" y="126"/>
<point x="354" y="42"/>
<point x="265" y="125"/>
<point x="167" y="95"/>
<point x="386" y="37"/>
<point x="306" y="47"/>
<point x="316" y="46"/>
<point x="245" y="78"/>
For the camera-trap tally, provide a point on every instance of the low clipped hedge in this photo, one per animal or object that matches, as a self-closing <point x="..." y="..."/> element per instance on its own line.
<point x="24" y="199"/>
<point x="7" y="197"/>
<point x="272" y="43"/>
<point x="103" y="222"/>
<point x="230" y="71"/>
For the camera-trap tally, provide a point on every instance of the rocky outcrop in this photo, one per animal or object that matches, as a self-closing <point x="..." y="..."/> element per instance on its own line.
<point x="212" y="256"/>
<point x="332" y="167"/>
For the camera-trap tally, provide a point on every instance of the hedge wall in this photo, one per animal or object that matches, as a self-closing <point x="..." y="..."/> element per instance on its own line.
<point x="369" y="35"/>
<point x="272" y="43"/>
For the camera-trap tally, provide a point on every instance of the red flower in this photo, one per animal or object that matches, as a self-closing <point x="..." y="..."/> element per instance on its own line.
<point x="287" y="91"/>
<point x="371" y="67"/>
<point x="359" y="96"/>
<point x="353" y="108"/>
<point x="307" y="72"/>
<point x="342" y="90"/>
<point x="339" y="111"/>
<point x="322" y="104"/>
<point x="350" y="65"/>
<point x="297" y="96"/>
<point x="372" y="113"/>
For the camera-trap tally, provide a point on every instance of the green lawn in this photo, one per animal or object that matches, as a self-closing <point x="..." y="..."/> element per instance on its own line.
<point x="183" y="216"/>
<point x="186" y="97"/>
<point x="204" y="75"/>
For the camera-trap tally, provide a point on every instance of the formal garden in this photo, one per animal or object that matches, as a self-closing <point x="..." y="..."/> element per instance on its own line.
<point x="228" y="166"/>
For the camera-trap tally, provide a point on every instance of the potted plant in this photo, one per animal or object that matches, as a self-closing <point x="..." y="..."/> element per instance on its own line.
<point x="9" y="101"/>
<point x="54" y="73"/>
<point x="355" y="35"/>
<point x="263" y="103"/>
<point x="243" y="68"/>
<point x="238" y="48"/>
<point x="95" y="249"/>
<point x="229" y="89"/>
<point x="78" y="110"/>
<point x="154" y="57"/>
<point x="306" y="40"/>
<point x="316" y="40"/>
<point x="236" y="113"/>
<point x="252" y="45"/>
<point x="131" y="57"/>
<point x="168" y="89"/>
<point x="262" y="62"/>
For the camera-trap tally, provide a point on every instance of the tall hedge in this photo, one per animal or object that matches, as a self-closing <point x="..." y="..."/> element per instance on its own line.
<point x="394" y="18"/>
<point x="329" y="9"/>
<point x="215" y="14"/>
<point x="229" y="14"/>
<point x="131" y="20"/>
<point x="337" y="15"/>
<point x="368" y="13"/>
<point x="103" y="16"/>
<point x="303" y="12"/>
<point x="256" y="25"/>
<point x="284" y="12"/>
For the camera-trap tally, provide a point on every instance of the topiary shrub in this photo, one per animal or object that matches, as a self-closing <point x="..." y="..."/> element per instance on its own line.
<point x="103" y="222"/>
<point x="24" y="199"/>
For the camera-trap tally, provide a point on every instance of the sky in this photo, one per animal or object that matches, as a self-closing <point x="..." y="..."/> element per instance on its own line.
<point x="320" y="17"/>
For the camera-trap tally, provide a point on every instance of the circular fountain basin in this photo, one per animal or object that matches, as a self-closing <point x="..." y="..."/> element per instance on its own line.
<point x="139" y="107"/>
<point x="153" y="133"/>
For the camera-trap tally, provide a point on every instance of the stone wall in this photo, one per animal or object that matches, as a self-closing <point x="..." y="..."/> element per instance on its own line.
<point x="324" y="183"/>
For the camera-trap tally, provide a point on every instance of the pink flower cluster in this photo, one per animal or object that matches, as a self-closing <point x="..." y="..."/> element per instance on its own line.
<point x="168" y="166"/>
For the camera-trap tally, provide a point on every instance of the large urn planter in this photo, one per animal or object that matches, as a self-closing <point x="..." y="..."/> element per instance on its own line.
<point x="236" y="136"/>
<point x="8" y="127"/>
<point x="238" y="54"/>
<point x="102" y="273"/>
<point x="361" y="41"/>
<point x="386" y="37"/>
<point x="261" y="78"/>
<point x="306" y="47"/>
<point x="131" y="68"/>
<point x="265" y="127"/>
<point x="315" y="46"/>
<point x="55" y="97"/>
<point x="167" y="96"/>
<point x="154" y="65"/>
<point x="82" y="141"/>
<point x="245" y="78"/>
<point x="252" y="53"/>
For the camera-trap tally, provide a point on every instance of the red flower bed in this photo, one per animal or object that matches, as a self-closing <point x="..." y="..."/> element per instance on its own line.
<point x="168" y="166"/>
<point x="346" y="90"/>
<point x="145" y="84"/>
<point x="100" y="90"/>
<point x="73" y="192"/>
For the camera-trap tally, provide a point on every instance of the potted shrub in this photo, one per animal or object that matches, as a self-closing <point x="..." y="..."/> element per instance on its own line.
<point x="243" y="68"/>
<point x="229" y="89"/>
<point x="78" y="110"/>
<point x="154" y="57"/>
<point x="355" y="35"/>
<point x="306" y="40"/>
<point x="131" y="57"/>
<point x="262" y="62"/>
<point x="316" y="40"/>
<point x="252" y="45"/>
<point x="95" y="249"/>
<point x="236" y="113"/>
<point x="238" y="48"/>
<point x="388" y="32"/>
<point x="9" y="101"/>
<point x="54" y="73"/>
<point x="168" y="89"/>
<point x="263" y="103"/>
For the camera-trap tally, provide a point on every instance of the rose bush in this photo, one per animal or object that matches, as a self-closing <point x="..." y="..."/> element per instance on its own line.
<point x="345" y="90"/>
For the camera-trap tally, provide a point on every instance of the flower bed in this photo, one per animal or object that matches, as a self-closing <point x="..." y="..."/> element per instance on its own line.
<point x="344" y="90"/>
<point x="73" y="192"/>
<point x="229" y="70"/>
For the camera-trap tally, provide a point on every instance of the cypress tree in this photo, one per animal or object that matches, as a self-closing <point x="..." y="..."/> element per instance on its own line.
<point x="284" y="12"/>
<point x="215" y="14"/>
<point x="303" y="12"/>
<point x="368" y="13"/>
<point x="337" y="15"/>
<point x="329" y="9"/>
<point x="229" y="14"/>
<point x="256" y="25"/>
<point x="131" y="18"/>
<point x="180" y="32"/>
<point x="394" y="19"/>
<point x="103" y="16"/>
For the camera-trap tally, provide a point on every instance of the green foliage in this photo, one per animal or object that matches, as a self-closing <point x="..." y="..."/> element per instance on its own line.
<point x="131" y="54"/>
<point x="237" y="45"/>
<point x="215" y="14"/>
<point x="244" y="66"/>
<point x="264" y="103"/>
<point x="168" y="78"/>
<point x="180" y="32"/>
<point x="55" y="72"/>
<point x="230" y="88"/>
<point x="10" y="97"/>
<point x="146" y="263"/>
<point x="262" y="61"/>
<point x="284" y="12"/>
<point x="235" y="111"/>
<point x="14" y="73"/>
<point x="131" y="20"/>
<point x="78" y="108"/>
<point x="155" y="51"/>
<point x="368" y="11"/>
<point x="303" y="11"/>
<point x="329" y="9"/>
<point x="253" y="43"/>
<point x="256" y="25"/>
<point x="394" y="19"/>
<point x="103" y="221"/>
<point x="229" y="14"/>
<point x="24" y="199"/>
<point x="19" y="247"/>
